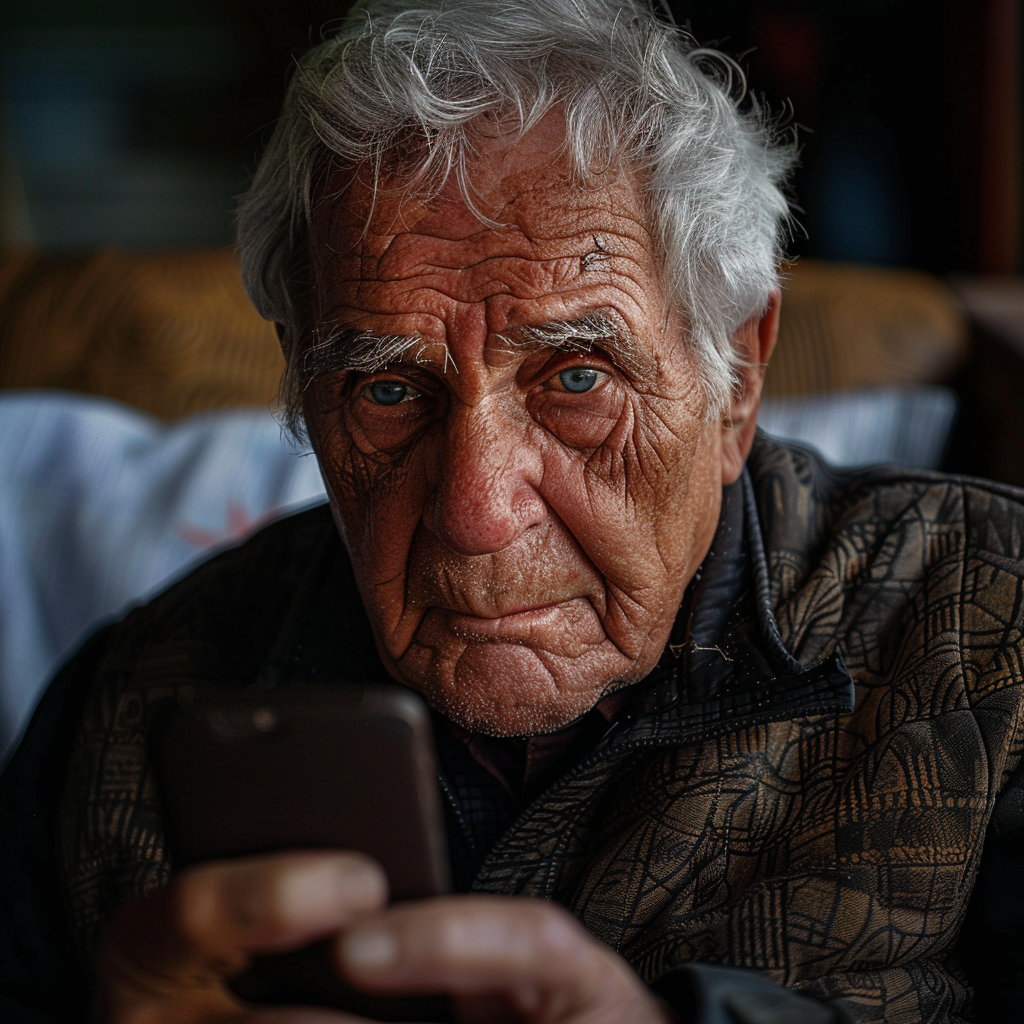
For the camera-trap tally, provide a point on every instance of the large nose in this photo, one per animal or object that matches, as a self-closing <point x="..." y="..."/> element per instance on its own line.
<point x="487" y="473"/>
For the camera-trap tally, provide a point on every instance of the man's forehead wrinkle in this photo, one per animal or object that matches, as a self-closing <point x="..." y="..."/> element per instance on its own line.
<point x="429" y="325"/>
<point x="556" y="286"/>
<point x="527" y="279"/>
<point x="560" y="237"/>
<point x="402" y="257"/>
<point x="435" y="292"/>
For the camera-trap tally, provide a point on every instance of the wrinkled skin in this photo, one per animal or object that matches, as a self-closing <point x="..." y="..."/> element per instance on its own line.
<point x="521" y="547"/>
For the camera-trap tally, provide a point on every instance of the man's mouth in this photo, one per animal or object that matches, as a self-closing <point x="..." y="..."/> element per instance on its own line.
<point x="504" y="625"/>
<point x="521" y="624"/>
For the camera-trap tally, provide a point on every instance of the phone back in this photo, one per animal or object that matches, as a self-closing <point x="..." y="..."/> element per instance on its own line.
<point x="350" y="768"/>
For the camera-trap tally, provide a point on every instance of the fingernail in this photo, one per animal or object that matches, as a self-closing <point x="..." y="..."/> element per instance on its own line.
<point x="369" y="948"/>
<point x="364" y="873"/>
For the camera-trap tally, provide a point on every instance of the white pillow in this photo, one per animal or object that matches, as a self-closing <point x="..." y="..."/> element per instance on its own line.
<point x="101" y="506"/>
<point x="907" y="426"/>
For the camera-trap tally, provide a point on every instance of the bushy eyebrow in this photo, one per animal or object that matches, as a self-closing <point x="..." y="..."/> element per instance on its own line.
<point x="350" y="349"/>
<point x="583" y="334"/>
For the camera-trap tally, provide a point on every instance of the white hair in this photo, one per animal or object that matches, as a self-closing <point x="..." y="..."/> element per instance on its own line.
<point x="397" y="89"/>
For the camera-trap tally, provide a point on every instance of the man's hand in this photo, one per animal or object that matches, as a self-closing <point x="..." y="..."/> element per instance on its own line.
<point x="168" y="958"/>
<point x="502" y="958"/>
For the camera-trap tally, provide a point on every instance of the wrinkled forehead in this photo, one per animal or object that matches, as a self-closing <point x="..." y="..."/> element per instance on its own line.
<point x="518" y="185"/>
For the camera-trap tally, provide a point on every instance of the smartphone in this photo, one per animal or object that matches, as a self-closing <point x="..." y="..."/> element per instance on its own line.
<point x="346" y="767"/>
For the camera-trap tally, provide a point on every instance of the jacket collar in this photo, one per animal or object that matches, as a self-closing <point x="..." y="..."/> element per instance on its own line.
<point x="727" y="665"/>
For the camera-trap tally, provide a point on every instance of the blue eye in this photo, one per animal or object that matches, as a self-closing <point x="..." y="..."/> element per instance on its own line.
<point x="578" y="379"/>
<point x="389" y="392"/>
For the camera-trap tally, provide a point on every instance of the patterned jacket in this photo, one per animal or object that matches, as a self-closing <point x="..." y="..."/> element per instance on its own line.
<point x="808" y="796"/>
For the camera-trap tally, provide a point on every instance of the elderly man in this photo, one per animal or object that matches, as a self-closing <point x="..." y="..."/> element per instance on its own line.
<point x="747" y="720"/>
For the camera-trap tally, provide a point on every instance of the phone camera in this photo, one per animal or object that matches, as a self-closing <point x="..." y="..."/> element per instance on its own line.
<point x="264" y="720"/>
<point x="244" y="725"/>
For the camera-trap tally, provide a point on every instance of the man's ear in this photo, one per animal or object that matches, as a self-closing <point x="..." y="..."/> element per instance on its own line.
<point x="754" y="343"/>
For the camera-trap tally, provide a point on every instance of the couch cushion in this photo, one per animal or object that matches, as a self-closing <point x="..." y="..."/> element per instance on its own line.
<point x="844" y="327"/>
<point x="170" y="333"/>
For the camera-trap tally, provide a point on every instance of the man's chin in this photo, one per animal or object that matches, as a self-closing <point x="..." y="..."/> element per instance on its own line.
<point x="510" y="690"/>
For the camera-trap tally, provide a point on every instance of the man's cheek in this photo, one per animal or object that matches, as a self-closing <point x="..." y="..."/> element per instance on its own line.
<point x="641" y="460"/>
<point x="578" y="423"/>
<point x="667" y="462"/>
<point x="622" y="500"/>
<point x="361" y="468"/>
<point x="361" y="482"/>
<point x="379" y="499"/>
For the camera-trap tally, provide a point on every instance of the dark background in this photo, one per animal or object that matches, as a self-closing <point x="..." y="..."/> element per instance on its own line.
<point x="911" y="153"/>
<point x="137" y="124"/>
